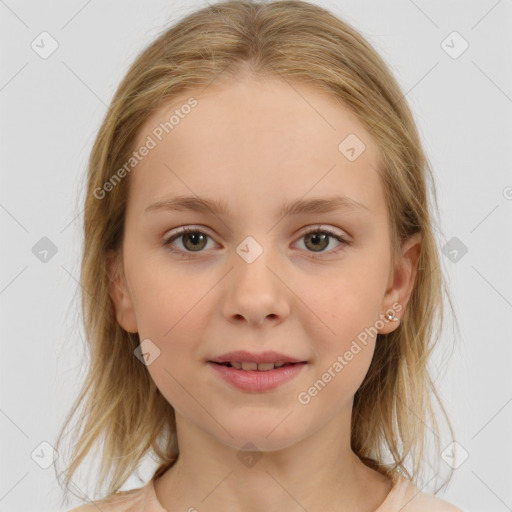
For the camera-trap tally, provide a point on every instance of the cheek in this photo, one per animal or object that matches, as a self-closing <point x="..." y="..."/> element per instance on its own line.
<point x="343" y="304"/>
<point x="344" y="349"/>
<point x="170" y="313"/>
<point x="343" y="328"/>
<point x="174" y="306"/>
<point x="164" y="298"/>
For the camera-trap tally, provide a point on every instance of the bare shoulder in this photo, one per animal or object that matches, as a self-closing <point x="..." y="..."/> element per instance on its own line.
<point x="415" y="500"/>
<point x="428" y="503"/>
<point x="98" y="505"/>
<point x="121" y="502"/>
<point x="110" y="506"/>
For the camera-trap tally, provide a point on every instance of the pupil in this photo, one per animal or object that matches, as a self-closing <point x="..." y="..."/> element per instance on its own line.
<point x="318" y="238"/>
<point x="195" y="237"/>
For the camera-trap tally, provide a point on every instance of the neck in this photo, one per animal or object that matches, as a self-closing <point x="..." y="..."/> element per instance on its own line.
<point x="318" y="473"/>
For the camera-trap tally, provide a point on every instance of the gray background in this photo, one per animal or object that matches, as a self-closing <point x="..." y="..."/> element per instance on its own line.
<point x="50" y="111"/>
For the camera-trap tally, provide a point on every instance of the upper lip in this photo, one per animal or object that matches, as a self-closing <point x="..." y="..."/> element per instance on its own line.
<point x="262" y="357"/>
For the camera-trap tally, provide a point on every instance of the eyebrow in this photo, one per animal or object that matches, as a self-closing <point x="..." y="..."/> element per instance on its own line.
<point x="297" y="207"/>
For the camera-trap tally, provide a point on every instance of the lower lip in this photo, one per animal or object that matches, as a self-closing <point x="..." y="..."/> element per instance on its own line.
<point x="256" y="380"/>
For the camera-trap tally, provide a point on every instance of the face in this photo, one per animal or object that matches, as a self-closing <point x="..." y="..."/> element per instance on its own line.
<point x="311" y="284"/>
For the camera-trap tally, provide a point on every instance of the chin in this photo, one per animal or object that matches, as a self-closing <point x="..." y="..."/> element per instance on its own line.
<point x="267" y="437"/>
<point x="261" y="443"/>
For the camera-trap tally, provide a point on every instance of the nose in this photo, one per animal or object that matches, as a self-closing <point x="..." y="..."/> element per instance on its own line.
<point x="255" y="292"/>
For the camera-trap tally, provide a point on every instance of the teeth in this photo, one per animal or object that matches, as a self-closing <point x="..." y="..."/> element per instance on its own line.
<point x="249" y="366"/>
<point x="265" y="366"/>
<point x="246" y="365"/>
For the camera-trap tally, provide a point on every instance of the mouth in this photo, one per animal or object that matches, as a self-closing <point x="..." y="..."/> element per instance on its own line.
<point x="253" y="366"/>
<point x="257" y="377"/>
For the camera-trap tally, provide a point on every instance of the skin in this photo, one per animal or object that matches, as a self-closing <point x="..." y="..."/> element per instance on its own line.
<point x="256" y="145"/>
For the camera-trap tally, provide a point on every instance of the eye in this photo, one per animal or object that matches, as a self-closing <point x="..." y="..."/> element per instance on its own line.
<point x="318" y="239"/>
<point x="193" y="240"/>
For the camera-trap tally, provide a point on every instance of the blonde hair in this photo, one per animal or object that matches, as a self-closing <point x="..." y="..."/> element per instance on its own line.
<point x="298" y="42"/>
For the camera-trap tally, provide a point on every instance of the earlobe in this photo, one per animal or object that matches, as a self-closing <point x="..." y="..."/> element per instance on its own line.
<point x="120" y="294"/>
<point x="402" y="284"/>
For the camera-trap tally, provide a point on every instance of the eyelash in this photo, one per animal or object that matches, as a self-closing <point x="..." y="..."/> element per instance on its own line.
<point x="315" y="230"/>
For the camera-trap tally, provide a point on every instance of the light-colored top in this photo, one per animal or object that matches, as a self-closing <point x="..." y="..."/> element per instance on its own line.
<point x="403" y="497"/>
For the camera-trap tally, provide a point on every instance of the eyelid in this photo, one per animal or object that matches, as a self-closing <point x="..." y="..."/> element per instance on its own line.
<point x="189" y="228"/>
<point x="307" y="230"/>
<point x="324" y="227"/>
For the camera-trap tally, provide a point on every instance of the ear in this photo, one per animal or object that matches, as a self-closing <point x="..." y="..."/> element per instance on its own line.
<point x="401" y="283"/>
<point x="120" y="294"/>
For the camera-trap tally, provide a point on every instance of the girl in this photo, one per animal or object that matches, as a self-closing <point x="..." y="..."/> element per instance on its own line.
<point x="262" y="288"/>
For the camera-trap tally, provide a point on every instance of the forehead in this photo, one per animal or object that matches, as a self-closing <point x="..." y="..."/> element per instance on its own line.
<point x="257" y="139"/>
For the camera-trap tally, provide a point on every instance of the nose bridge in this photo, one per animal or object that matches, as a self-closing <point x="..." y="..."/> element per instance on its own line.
<point x="252" y="261"/>
<point x="254" y="291"/>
